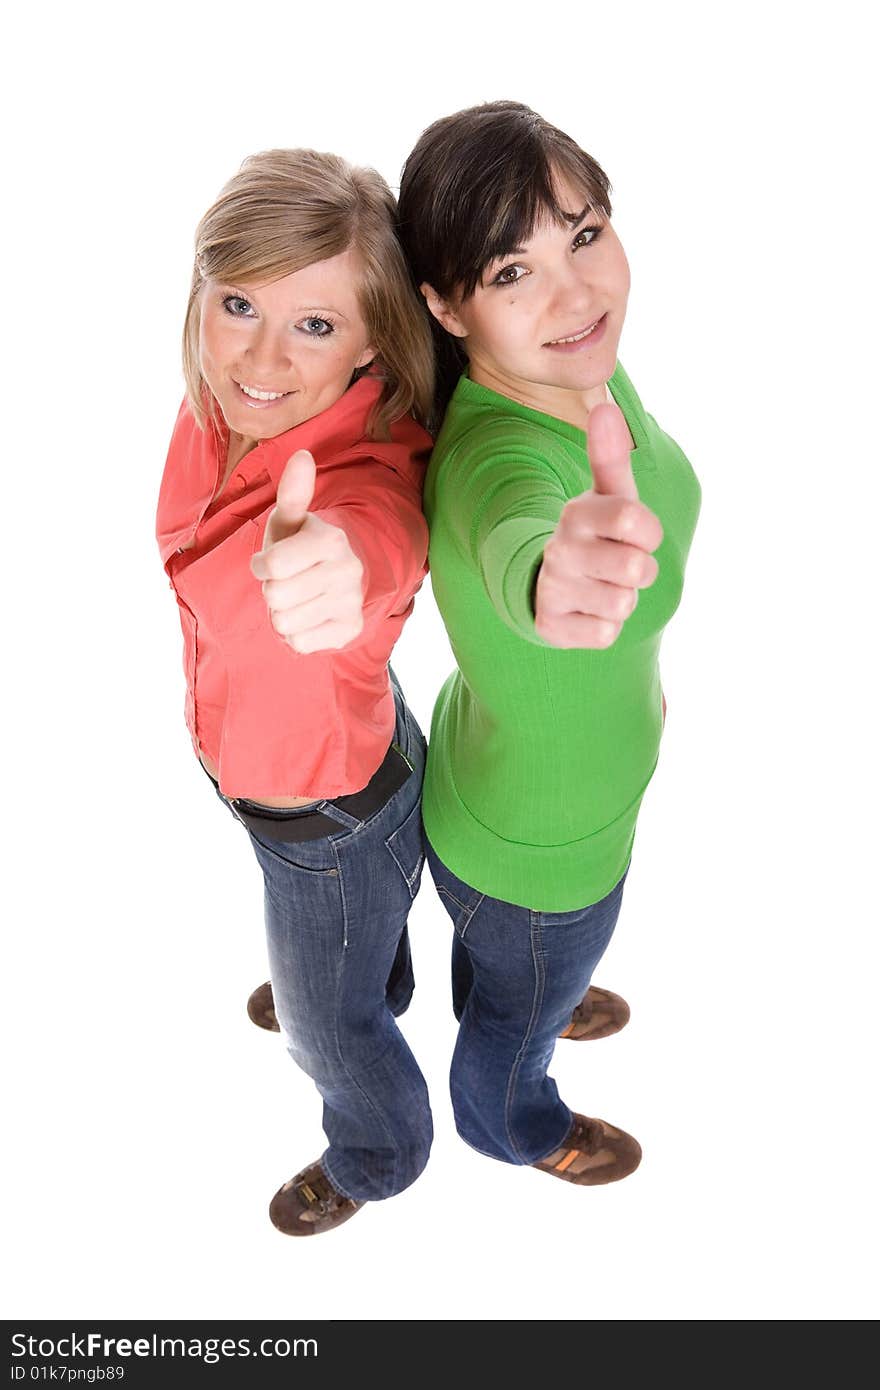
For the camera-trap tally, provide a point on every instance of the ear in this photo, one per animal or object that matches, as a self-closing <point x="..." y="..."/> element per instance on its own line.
<point x="443" y="311"/>
<point x="366" y="357"/>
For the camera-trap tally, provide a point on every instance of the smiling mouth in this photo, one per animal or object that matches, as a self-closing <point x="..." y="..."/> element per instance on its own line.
<point x="578" y="337"/>
<point x="256" y="393"/>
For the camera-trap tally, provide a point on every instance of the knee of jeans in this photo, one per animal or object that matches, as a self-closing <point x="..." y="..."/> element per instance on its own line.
<point x="347" y="1051"/>
<point x="317" y="1057"/>
<point x="479" y="1086"/>
<point x="414" y="1159"/>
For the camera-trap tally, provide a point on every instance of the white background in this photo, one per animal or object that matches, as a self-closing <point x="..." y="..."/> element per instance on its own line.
<point x="149" y="1121"/>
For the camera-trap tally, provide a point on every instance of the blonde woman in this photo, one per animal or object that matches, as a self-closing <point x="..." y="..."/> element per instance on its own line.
<point x="290" y="525"/>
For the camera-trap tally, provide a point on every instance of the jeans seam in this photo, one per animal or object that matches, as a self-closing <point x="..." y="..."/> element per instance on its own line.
<point x="341" y="879"/>
<point x="441" y="889"/>
<point x="409" y="879"/>
<point x="469" y="917"/>
<point x="342" y="1061"/>
<point x="535" y="941"/>
<point x="460" y="923"/>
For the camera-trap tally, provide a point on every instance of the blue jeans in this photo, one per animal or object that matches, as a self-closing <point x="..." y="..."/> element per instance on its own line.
<point x="336" y="912"/>
<point x="516" y="977"/>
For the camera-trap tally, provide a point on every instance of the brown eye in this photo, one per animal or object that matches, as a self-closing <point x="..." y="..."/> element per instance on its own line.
<point x="586" y="237"/>
<point x="510" y="275"/>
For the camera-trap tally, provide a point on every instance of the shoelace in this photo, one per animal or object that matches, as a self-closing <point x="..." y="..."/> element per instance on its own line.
<point x="587" y="1137"/>
<point x="317" y="1192"/>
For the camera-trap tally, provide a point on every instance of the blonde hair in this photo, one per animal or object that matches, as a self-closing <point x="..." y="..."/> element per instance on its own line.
<point x="287" y="209"/>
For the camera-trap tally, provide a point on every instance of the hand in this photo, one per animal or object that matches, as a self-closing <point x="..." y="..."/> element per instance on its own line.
<point x="312" y="579"/>
<point x="599" y="556"/>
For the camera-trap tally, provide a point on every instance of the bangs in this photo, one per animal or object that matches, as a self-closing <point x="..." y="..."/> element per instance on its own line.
<point x="261" y="252"/>
<point x="473" y="189"/>
<point x="519" y="190"/>
<point x="288" y="209"/>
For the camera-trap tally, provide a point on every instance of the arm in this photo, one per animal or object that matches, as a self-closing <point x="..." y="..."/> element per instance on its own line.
<point x="504" y="493"/>
<point x="580" y="582"/>
<point x="330" y="574"/>
<point x="383" y="522"/>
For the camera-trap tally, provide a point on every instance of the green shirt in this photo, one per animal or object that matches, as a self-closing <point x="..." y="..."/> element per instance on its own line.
<point x="539" y="756"/>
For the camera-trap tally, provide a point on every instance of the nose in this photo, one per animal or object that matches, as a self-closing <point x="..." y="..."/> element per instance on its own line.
<point x="573" y="289"/>
<point x="268" y="353"/>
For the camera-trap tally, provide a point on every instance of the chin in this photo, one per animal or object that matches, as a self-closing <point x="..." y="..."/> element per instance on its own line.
<point x="584" y="376"/>
<point x="583" y="379"/>
<point x="253" y="423"/>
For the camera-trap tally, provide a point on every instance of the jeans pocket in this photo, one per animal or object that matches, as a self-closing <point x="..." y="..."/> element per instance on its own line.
<point x="407" y="848"/>
<point x="312" y="857"/>
<point x="460" y="913"/>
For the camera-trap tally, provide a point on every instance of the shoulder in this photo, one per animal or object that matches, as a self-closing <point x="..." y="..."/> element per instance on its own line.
<point x="491" y="440"/>
<point x="186" y="428"/>
<point x="399" y="464"/>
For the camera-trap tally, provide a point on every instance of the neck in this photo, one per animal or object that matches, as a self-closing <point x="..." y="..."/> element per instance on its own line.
<point x="571" y="406"/>
<point x="237" y="448"/>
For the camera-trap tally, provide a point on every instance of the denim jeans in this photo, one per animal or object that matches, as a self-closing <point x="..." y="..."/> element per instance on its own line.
<point x="336" y="912"/>
<point x="517" y="975"/>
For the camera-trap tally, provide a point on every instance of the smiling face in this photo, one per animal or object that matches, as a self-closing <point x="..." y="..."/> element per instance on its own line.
<point x="544" y="323"/>
<point x="276" y="354"/>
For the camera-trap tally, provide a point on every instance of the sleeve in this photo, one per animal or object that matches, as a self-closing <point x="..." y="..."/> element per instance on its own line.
<point x="381" y="515"/>
<point x="502" y="496"/>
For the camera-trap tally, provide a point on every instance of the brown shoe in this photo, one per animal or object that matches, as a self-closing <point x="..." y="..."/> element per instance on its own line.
<point x="310" y="1204"/>
<point x="599" y="1014"/>
<point x="261" y="1008"/>
<point x="594" y="1152"/>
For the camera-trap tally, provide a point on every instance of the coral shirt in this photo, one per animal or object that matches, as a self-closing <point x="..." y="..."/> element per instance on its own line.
<point x="275" y="722"/>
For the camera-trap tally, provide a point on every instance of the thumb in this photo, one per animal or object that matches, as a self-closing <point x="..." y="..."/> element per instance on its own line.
<point x="296" y="488"/>
<point x="608" y="452"/>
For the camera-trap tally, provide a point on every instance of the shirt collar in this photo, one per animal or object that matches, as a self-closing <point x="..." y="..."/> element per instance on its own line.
<point x="340" y="426"/>
<point x="475" y="394"/>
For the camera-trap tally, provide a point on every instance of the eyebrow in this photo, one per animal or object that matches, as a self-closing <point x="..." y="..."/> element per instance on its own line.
<point x="573" y="217"/>
<point x="230" y="285"/>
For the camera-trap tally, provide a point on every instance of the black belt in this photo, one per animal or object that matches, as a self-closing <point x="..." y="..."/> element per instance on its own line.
<point x="291" y="825"/>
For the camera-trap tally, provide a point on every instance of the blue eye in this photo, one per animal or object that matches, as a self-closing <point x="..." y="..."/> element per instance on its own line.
<point x="317" y="327"/>
<point x="235" y="305"/>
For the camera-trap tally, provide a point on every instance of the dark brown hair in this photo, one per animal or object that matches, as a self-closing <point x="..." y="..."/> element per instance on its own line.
<point x="473" y="188"/>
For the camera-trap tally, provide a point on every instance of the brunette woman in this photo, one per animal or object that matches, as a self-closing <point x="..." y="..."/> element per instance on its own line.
<point x="561" y="516"/>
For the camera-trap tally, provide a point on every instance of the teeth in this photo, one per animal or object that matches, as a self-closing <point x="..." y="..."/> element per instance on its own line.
<point x="578" y="336"/>
<point x="261" y="395"/>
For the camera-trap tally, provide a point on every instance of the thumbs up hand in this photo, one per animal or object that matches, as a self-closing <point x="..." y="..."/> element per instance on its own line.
<point x="600" y="554"/>
<point x="296" y="488"/>
<point x="311" y="577"/>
